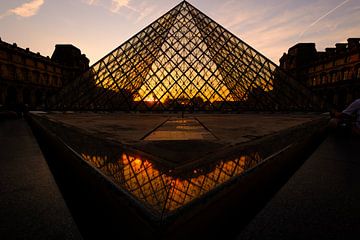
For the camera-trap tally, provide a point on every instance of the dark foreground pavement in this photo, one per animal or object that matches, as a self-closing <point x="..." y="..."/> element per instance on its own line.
<point x="31" y="205"/>
<point x="321" y="200"/>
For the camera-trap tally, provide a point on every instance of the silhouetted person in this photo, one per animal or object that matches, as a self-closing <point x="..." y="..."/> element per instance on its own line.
<point x="349" y="117"/>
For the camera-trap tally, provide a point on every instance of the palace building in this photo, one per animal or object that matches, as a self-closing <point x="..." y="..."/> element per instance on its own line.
<point x="333" y="75"/>
<point x="28" y="78"/>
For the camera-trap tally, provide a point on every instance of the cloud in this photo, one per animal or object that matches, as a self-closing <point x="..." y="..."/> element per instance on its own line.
<point x="4" y="15"/>
<point x="113" y="6"/>
<point x="28" y="9"/>
<point x="323" y="16"/>
<point x="277" y="26"/>
<point x="116" y="5"/>
<point x="146" y="10"/>
<point x="271" y="27"/>
<point x="90" y="2"/>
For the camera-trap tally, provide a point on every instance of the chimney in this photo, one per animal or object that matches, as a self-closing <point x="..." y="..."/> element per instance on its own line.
<point x="353" y="43"/>
<point x="330" y="51"/>
<point x="341" y="47"/>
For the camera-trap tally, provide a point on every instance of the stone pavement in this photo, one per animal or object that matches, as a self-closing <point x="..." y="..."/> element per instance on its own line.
<point x="320" y="201"/>
<point x="31" y="205"/>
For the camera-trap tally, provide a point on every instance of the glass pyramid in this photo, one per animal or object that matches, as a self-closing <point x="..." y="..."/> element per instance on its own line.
<point x="184" y="61"/>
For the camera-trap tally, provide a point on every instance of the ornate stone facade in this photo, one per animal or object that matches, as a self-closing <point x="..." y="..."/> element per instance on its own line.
<point x="333" y="74"/>
<point x="29" y="78"/>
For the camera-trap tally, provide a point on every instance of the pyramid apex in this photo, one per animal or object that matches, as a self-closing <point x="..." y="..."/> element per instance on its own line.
<point x="185" y="2"/>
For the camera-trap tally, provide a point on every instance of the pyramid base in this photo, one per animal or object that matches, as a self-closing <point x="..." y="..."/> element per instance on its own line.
<point x="102" y="209"/>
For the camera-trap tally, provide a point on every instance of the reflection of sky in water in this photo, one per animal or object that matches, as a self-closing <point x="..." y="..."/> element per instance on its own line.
<point x="161" y="191"/>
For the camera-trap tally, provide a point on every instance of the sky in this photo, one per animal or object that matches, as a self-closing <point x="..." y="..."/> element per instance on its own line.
<point x="99" y="26"/>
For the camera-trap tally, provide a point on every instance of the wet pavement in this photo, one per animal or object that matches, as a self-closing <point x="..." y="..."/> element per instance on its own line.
<point x="31" y="205"/>
<point x="320" y="201"/>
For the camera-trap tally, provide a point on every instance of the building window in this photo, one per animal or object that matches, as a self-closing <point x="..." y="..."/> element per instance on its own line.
<point x="333" y="77"/>
<point x="338" y="76"/>
<point x="11" y="71"/>
<point x="318" y="80"/>
<point x="27" y="74"/>
<point x="325" y="79"/>
<point x="46" y="79"/>
<point x="328" y="77"/>
<point x="313" y="81"/>
<point x="36" y="77"/>
<point x="53" y="81"/>
<point x="18" y="75"/>
<point x="32" y="77"/>
<point x="346" y="74"/>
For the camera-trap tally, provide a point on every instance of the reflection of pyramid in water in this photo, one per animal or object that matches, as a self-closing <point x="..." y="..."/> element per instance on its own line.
<point x="184" y="60"/>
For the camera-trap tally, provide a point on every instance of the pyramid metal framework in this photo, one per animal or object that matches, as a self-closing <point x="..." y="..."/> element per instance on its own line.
<point x="184" y="61"/>
<point x="162" y="194"/>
